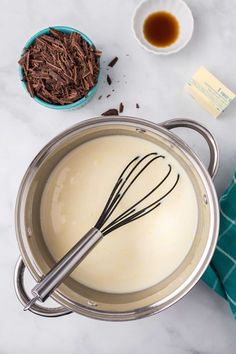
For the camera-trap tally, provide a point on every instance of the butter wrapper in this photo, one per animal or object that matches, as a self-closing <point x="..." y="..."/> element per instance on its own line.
<point x="209" y="92"/>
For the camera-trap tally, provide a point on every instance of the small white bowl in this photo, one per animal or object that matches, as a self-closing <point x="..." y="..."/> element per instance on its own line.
<point x="179" y="9"/>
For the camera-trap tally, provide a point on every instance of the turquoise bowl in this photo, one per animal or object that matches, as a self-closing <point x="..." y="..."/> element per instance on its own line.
<point x="77" y="104"/>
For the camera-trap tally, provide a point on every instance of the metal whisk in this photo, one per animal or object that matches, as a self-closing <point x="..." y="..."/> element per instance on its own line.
<point x="104" y="224"/>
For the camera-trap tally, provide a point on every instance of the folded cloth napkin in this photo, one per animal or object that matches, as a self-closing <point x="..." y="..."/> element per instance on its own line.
<point x="221" y="273"/>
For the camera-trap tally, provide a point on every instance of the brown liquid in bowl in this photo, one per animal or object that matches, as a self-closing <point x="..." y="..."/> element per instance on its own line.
<point x="161" y="29"/>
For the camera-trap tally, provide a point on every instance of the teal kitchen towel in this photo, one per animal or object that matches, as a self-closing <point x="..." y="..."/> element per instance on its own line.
<point x="221" y="273"/>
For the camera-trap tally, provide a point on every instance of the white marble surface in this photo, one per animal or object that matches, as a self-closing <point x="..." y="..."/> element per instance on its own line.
<point x="201" y="322"/>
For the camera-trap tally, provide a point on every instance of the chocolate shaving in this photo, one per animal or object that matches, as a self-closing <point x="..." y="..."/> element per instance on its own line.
<point x="109" y="80"/>
<point x="99" y="97"/>
<point x="121" y="108"/>
<point x="111" y="112"/>
<point x="60" y="68"/>
<point x="137" y="105"/>
<point x="30" y="88"/>
<point x="56" y="33"/>
<point x="113" y="62"/>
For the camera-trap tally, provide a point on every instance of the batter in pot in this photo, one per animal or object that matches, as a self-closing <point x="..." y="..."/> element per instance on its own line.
<point x="138" y="255"/>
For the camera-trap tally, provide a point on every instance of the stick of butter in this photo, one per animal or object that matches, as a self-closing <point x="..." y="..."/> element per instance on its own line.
<point x="209" y="92"/>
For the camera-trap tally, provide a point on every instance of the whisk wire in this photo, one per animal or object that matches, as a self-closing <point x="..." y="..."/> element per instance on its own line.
<point x="121" y="193"/>
<point x="125" y="220"/>
<point x="145" y="197"/>
<point x="109" y="201"/>
<point x="123" y="184"/>
<point x="114" y="199"/>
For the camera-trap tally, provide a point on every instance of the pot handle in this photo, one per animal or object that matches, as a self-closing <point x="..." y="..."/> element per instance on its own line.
<point x="24" y="299"/>
<point x="211" y="142"/>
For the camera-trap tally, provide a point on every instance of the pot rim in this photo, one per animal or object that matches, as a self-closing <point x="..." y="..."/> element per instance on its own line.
<point x="189" y="283"/>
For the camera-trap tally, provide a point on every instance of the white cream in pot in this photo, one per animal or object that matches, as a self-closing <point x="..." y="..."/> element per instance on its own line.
<point x="139" y="254"/>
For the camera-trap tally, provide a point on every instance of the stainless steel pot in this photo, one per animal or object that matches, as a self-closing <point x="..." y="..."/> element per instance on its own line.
<point x="73" y="296"/>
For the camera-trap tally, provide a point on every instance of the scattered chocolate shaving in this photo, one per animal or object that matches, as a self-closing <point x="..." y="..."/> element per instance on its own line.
<point x="113" y="62"/>
<point x="99" y="97"/>
<point x="109" y="80"/>
<point x="121" y="108"/>
<point x="111" y="112"/>
<point x="60" y="68"/>
<point x="108" y="95"/>
<point x="137" y="105"/>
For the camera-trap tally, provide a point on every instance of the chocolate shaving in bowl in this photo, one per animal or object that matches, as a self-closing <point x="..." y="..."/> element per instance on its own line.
<point x="60" y="68"/>
<point x="137" y="105"/>
<point x="109" y="80"/>
<point x="113" y="62"/>
<point x="111" y="112"/>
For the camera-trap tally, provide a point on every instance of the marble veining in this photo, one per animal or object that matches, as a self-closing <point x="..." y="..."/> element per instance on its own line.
<point x="201" y="323"/>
